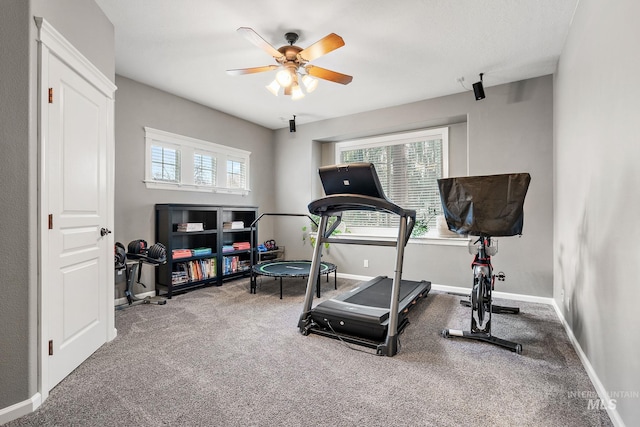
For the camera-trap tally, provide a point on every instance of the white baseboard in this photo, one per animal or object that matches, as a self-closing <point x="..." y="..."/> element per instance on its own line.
<point x="354" y="276"/>
<point x="20" y="409"/>
<point x="496" y="294"/>
<point x="593" y="376"/>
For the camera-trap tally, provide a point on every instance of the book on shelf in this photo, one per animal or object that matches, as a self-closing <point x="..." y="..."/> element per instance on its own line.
<point x="241" y="246"/>
<point x="228" y="248"/>
<point x="230" y="264"/>
<point x="181" y="253"/>
<point x="244" y="265"/>
<point x="233" y="264"/>
<point x="233" y="225"/>
<point x="193" y="271"/>
<point x="190" y="226"/>
<point x="201" y="251"/>
<point x="179" y="277"/>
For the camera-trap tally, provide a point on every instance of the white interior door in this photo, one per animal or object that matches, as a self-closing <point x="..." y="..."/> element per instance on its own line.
<point x="77" y="201"/>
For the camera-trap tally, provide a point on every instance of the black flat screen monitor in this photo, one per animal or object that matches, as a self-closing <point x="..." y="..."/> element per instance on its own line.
<point x="351" y="178"/>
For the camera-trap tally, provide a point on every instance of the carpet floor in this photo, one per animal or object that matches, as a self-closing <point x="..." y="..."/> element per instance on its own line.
<point x="221" y="356"/>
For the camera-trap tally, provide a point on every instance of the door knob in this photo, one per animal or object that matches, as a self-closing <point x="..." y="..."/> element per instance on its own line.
<point x="104" y="232"/>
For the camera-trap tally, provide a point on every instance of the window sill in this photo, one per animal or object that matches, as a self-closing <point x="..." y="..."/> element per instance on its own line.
<point x="435" y="239"/>
<point x="156" y="185"/>
<point x="427" y="239"/>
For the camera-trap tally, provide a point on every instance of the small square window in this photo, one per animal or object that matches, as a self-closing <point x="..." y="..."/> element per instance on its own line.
<point x="165" y="164"/>
<point x="204" y="169"/>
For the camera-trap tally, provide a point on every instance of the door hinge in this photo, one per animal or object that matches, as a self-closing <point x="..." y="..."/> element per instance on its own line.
<point x="50" y="95"/>
<point x="50" y="221"/>
<point x="50" y="347"/>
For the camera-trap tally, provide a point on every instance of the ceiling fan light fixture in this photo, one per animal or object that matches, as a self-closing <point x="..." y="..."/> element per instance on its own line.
<point x="310" y="83"/>
<point x="273" y="87"/>
<point x="284" y="77"/>
<point x="293" y="72"/>
<point x="296" y="92"/>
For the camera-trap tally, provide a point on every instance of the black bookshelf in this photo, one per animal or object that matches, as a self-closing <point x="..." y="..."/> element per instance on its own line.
<point x="211" y="254"/>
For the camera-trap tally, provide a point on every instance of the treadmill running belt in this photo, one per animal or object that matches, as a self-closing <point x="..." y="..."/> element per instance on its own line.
<point x="379" y="294"/>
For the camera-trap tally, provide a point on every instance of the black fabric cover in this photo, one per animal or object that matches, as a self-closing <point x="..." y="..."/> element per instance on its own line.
<point x="490" y="205"/>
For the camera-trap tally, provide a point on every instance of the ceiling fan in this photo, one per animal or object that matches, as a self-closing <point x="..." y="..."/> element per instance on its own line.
<point x="293" y="62"/>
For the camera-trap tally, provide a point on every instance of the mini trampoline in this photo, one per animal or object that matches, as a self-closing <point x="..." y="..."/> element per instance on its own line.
<point x="297" y="268"/>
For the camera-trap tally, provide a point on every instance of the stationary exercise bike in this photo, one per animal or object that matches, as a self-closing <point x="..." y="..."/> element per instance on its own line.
<point x="484" y="206"/>
<point x="131" y="262"/>
<point x="480" y="298"/>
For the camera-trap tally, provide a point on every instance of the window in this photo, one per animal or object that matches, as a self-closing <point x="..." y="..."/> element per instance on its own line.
<point x="179" y="162"/>
<point x="165" y="163"/>
<point x="204" y="169"/>
<point x="235" y="174"/>
<point x="408" y="165"/>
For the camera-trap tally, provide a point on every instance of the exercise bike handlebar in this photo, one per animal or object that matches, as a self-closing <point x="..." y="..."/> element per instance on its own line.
<point x="490" y="248"/>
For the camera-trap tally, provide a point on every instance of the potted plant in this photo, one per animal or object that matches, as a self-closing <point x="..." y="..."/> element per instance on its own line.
<point x="312" y="234"/>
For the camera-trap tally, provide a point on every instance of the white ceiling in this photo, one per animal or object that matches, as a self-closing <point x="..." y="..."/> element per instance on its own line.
<point x="397" y="51"/>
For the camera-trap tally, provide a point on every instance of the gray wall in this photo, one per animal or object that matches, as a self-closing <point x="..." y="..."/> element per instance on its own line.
<point x="137" y="106"/>
<point x="93" y="35"/>
<point x="17" y="225"/>
<point x="597" y="148"/>
<point x="510" y="131"/>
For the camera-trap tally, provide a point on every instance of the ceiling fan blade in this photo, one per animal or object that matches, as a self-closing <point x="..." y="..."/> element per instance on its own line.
<point x="322" y="47"/>
<point x="255" y="38"/>
<point x="333" y="76"/>
<point x="241" y="71"/>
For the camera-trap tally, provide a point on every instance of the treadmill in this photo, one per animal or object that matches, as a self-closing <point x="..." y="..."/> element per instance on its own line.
<point x="374" y="313"/>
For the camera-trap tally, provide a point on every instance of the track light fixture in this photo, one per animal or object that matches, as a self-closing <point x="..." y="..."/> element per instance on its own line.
<point x="478" y="89"/>
<point x="292" y="124"/>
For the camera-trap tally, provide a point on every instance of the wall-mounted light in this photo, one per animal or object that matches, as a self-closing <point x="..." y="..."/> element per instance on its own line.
<point x="478" y="89"/>
<point x="292" y="124"/>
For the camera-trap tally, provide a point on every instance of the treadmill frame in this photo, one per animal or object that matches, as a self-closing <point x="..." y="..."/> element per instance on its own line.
<point x="334" y="205"/>
<point x="363" y="324"/>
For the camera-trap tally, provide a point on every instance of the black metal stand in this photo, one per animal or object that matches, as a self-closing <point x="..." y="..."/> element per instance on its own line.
<point x="133" y="273"/>
<point x="481" y="303"/>
<point x="485" y="334"/>
<point x="496" y="309"/>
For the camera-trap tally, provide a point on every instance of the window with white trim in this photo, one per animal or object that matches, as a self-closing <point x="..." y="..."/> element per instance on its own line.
<point x="180" y="162"/>
<point x="204" y="169"/>
<point x="165" y="163"/>
<point x="235" y="173"/>
<point x="408" y="165"/>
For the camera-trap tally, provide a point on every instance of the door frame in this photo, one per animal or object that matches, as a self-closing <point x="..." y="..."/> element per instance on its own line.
<point x="51" y="42"/>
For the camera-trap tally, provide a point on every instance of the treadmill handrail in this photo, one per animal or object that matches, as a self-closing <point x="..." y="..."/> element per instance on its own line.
<point x="336" y="204"/>
<point x="281" y="214"/>
<point x="355" y="202"/>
